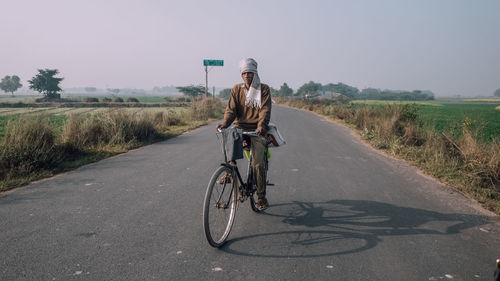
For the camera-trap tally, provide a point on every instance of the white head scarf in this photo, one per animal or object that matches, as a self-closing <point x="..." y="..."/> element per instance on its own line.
<point x="253" y="98"/>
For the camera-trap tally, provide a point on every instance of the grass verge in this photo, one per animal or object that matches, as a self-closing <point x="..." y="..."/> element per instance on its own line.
<point x="462" y="161"/>
<point x="38" y="146"/>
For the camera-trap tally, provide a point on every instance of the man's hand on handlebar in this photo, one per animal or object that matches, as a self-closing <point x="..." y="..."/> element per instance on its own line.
<point x="261" y="132"/>
<point x="219" y="127"/>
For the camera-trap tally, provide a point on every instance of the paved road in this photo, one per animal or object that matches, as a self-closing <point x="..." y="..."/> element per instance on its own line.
<point x="340" y="211"/>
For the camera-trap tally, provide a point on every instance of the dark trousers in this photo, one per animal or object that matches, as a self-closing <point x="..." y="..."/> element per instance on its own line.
<point x="258" y="153"/>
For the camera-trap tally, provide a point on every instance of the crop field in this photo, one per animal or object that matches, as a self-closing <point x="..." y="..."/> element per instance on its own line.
<point x="481" y="115"/>
<point x="21" y="98"/>
<point x="482" y="100"/>
<point x="381" y="102"/>
<point x="482" y="118"/>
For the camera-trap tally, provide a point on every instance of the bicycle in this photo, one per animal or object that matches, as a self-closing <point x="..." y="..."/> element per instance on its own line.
<point x="223" y="196"/>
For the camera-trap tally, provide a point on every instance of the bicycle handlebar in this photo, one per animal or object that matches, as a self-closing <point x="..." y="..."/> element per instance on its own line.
<point x="248" y="133"/>
<point x="251" y="133"/>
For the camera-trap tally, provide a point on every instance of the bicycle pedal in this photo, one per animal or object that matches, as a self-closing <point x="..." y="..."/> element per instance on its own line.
<point x="270" y="184"/>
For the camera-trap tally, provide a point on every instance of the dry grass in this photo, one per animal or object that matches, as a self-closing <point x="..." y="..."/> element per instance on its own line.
<point x="34" y="148"/>
<point x="469" y="165"/>
<point x="205" y="109"/>
<point x="30" y="145"/>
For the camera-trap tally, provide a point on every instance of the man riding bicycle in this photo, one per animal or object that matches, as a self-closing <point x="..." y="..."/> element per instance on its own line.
<point x="250" y="108"/>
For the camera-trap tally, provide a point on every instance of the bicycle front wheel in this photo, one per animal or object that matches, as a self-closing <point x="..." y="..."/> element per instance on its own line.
<point x="220" y="206"/>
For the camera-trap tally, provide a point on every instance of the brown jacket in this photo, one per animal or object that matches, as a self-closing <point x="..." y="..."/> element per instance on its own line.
<point x="247" y="118"/>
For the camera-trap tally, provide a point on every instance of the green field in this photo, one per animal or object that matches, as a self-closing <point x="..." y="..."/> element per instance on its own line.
<point x="382" y="102"/>
<point x="483" y="118"/>
<point x="57" y="119"/>
<point x="481" y="115"/>
<point x="21" y="98"/>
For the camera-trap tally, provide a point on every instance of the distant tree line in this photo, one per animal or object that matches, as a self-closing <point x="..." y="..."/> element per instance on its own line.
<point x="312" y="89"/>
<point x="377" y="94"/>
<point x="165" y="89"/>
<point x="497" y="93"/>
<point x="283" y="91"/>
<point x="46" y="83"/>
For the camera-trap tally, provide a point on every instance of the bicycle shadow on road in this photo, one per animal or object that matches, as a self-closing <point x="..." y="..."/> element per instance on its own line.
<point x="338" y="227"/>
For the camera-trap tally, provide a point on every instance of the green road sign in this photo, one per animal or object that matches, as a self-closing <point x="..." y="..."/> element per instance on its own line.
<point x="213" y="62"/>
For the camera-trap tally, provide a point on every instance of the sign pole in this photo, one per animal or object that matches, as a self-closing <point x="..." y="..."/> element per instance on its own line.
<point x="206" y="80"/>
<point x="207" y="63"/>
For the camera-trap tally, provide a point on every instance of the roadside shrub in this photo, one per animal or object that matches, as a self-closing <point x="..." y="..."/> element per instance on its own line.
<point x="205" y="109"/>
<point x="106" y="100"/>
<point x="164" y="119"/>
<point x="118" y="99"/>
<point x="29" y="145"/>
<point x="341" y="99"/>
<point x="90" y="99"/>
<point x="109" y="128"/>
<point x="127" y="127"/>
<point x="81" y="131"/>
<point x="132" y="100"/>
<point x="481" y="161"/>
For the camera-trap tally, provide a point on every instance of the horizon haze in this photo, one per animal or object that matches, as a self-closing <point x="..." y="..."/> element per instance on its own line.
<point x="450" y="47"/>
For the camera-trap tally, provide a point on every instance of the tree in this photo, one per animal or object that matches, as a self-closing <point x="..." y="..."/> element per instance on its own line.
<point x="10" y="84"/>
<point x="368" y="93"/>
<point x="192" y="91"/>
<point x="343" y="89"/>
<point x="497" y="93"/>
<point x="273" y="91"/>
<point x="285" y="91"/>
<point x="225" y="93"/>
<point x="90" y="89"/>
<point x="45" y="83"/>
<point x="309" y="89"/>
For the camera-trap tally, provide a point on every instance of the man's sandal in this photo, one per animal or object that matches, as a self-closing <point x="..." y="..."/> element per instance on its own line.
<point x="225" y="179"/>
<point x="262" y="204"/>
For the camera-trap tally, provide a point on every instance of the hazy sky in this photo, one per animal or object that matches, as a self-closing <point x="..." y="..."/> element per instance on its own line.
<point x="447" y="46"/>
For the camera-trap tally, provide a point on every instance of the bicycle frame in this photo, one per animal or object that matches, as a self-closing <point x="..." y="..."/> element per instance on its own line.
<point x="234" y="168"/>
<point x="243" y="185"/>
<point x="216" y="196"/>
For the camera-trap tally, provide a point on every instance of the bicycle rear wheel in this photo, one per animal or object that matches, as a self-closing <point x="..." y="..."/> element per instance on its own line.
<point x="219" y="207"/>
